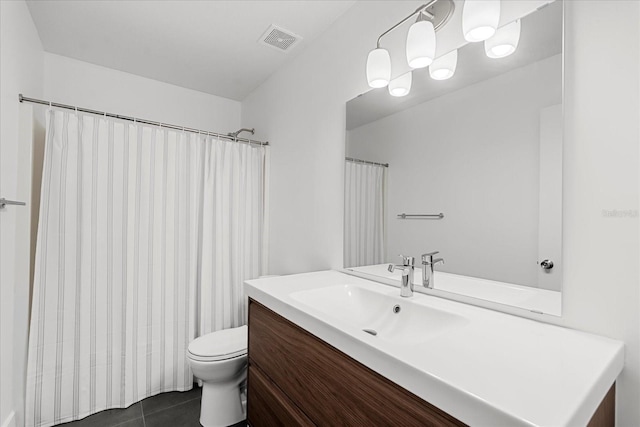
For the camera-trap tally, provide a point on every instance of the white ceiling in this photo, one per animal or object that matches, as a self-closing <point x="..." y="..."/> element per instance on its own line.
<point x="210" y="46"/>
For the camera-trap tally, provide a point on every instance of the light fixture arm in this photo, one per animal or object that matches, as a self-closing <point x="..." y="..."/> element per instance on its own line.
<point x="421" y="10"/>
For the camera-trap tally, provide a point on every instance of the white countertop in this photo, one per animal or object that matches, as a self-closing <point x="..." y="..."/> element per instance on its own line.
<point x="495" y="370"/>
<point x="526" y="297"/>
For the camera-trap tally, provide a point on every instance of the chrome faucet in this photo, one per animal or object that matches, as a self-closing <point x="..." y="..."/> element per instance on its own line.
<point x="407" y="267"/>
<point x="427" y="268"/>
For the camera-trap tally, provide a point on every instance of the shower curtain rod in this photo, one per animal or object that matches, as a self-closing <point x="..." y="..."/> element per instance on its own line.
<point x="143" y="121"/>
<point x="351" y="159"/>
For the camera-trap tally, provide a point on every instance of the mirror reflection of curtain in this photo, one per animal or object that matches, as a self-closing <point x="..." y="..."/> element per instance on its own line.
<point x="141" y="230"/>
<point x="364" y="224"/>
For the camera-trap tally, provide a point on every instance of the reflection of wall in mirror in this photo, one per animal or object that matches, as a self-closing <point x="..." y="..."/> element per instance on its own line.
<point x="550" y="201"/>
<point x="474" y="155"/>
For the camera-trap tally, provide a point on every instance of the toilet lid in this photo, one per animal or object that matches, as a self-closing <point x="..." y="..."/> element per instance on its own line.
<point x="219" y="345"/>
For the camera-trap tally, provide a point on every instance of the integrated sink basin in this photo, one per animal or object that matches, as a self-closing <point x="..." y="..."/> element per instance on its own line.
<point x="387" y="317"/>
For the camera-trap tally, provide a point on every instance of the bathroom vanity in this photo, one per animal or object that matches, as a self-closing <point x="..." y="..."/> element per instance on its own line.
<point x="318" y="382"/>
<point x="327" y="348"/>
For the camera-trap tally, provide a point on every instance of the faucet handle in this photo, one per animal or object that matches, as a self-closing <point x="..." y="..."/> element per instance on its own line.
<point x="405" y="268"/>
<point x="407" y="260"/>
<point x="429" y="257"/>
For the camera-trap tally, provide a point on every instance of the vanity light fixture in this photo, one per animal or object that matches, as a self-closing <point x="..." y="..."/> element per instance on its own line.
<point x="401" y="86"/>
<point x="480" y="19"/>
<point x="421" y="43"/>
<point x="378" y="68"/>
<point x="444" y="67"/>
<point x="504" y="42"/>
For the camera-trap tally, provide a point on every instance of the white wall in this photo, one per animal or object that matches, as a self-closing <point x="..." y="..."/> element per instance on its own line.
<point x="472" y="154"/>
<point x="601" y="161"/>
<point x="301" y="110"/>
<point x="20" y="71"/>
<point x="78" y="83"/>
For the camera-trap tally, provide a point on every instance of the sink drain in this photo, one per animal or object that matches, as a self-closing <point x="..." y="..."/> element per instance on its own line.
<point x="371" y="331"/>
<point x="396" y="309"/>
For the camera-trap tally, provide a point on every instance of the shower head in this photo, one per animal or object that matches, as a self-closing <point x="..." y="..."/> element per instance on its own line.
<point x="235" y="134"/>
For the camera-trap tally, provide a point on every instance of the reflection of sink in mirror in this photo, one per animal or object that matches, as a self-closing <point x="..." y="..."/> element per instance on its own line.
<point x="393" y="319"/>
<point x="539" y="300"/>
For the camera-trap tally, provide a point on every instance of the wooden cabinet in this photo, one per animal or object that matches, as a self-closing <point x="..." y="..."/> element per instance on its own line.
<point x="605" y="415"/>
<point x="271" y="407"/>
<point x="296" y="379"/>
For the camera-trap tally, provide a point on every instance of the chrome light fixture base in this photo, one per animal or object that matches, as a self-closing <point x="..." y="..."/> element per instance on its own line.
<point x="439" y="12"/>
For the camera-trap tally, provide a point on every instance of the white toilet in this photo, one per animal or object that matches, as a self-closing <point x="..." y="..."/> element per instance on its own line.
<point x="219" y="359"/>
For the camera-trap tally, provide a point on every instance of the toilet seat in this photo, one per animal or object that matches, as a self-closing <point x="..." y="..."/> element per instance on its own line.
<point x="219" y="345"/>
<point x="216" y="358"/>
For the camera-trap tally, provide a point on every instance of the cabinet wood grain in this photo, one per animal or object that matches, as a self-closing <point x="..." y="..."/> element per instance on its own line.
<point x="331" y="388"/>
<point x="605" y="415"/>
<point x="268" y="405"/>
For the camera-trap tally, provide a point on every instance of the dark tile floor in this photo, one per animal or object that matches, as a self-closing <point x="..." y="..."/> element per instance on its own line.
<point x="174" y="409"/>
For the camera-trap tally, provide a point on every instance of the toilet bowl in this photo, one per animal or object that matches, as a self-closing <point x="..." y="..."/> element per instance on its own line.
<point x="219" y="360"/>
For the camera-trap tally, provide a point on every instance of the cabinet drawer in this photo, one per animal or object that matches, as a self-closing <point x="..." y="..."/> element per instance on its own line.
<point x="268" y="406"/>
<point x="330" y="387"/>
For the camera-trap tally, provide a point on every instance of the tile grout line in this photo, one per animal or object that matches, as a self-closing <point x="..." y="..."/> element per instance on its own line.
<point x="173" y="406"/>
<point x="124" y="422"/>
<point x="144" y="422"/>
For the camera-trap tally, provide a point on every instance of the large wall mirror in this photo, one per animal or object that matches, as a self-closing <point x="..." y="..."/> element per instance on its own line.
<point x="470" y="167"/>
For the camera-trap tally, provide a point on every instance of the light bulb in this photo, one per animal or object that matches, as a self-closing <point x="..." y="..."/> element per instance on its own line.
<point x="445" y="66"/>
<point x="480" y="19"/>
<point x="421" y="44"/>
<point x="400" y="86"/>
<point x="378" y="68"/>
<point x="504" y="42"/>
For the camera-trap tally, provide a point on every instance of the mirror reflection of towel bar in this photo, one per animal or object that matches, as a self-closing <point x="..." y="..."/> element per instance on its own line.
<point x="420" y="216"/>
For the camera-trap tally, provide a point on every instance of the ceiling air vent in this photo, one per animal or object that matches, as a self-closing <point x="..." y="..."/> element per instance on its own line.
<point x="279" y="38"/>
